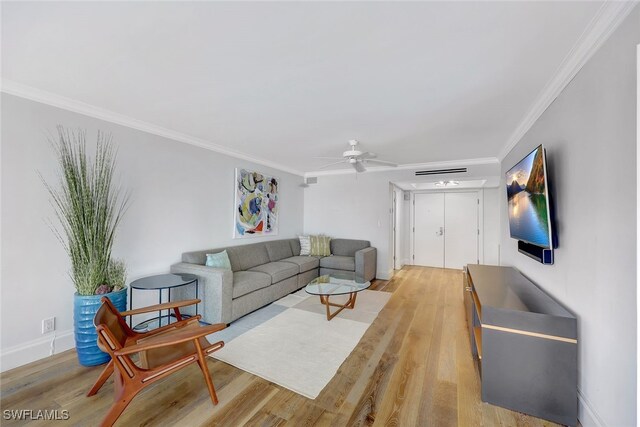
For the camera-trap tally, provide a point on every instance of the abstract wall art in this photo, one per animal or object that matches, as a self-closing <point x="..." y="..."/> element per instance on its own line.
<point x="257" y="207"/>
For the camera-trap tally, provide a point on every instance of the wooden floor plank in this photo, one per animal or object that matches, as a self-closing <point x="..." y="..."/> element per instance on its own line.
<point x="412" y="367"/>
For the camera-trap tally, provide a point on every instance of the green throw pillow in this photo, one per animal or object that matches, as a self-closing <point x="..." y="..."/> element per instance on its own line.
<point x="320" y="245"/>
<point x="219" y="260"/>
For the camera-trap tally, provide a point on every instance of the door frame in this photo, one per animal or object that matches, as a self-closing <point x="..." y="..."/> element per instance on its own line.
<point x="479" y="191"/>
<point x="394" y="228"/>
<point x="396" y="238"/>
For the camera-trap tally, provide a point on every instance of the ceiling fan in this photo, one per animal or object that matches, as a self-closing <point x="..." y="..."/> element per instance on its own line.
<point x="356" y="158"/>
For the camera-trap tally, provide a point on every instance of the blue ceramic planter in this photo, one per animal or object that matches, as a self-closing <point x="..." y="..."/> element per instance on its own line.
<point x="84" y="310"/>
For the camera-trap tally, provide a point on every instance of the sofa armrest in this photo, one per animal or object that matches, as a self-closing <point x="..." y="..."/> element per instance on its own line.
<point x="215" y="287"/>
<point x="366" y="263"/>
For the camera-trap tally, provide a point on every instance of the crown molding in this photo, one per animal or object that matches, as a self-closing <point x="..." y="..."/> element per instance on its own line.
<point x="409" y="166"/>
<point x="605" y="21"/>
<point x="23" y="91"/>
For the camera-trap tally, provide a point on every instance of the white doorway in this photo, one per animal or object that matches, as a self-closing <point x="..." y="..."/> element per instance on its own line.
<point x="461" y="229"/>
<point x="446" y="229"/>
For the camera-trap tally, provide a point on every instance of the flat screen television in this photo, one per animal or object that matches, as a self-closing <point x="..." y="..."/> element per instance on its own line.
<point x="530" y="218"/>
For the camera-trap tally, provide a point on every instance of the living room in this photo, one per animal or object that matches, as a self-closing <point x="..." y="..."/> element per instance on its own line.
<point x="357" y="110"/>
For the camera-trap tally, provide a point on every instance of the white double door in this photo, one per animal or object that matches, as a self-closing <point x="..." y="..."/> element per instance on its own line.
<point x="446" y="229"/>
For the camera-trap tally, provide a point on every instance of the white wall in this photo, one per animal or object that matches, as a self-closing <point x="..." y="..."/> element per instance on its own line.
<point x="637" y="224"/>
<point x="491" y="224"/>
<point x="358" y="207"/>
<point x="182" y="199"/>
<point x="590" y="136"/>
<point x="350" y="206"/>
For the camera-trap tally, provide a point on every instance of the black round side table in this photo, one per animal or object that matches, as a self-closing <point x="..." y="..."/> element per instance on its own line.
<point x="159" y="283"/>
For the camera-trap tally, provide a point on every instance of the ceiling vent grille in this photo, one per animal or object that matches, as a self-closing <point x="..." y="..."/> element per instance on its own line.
<point x="441" y="171"/>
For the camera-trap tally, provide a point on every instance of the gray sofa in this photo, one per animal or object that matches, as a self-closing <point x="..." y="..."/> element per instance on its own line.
<point x="264" y="272"/>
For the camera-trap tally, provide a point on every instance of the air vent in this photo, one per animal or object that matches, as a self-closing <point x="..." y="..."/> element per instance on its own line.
<point x="441" y="171"/>
<point x="311" y="180"/>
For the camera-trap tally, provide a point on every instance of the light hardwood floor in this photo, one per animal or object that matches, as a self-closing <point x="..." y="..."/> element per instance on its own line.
<point x="413" y="367"/>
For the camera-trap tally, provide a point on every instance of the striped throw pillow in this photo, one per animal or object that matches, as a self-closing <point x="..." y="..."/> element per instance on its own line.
<point x="305" y="245"/>
<point x="320" y="245"/>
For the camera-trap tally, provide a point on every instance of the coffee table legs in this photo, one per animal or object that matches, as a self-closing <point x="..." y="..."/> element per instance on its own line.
<point x="351" y="303"/>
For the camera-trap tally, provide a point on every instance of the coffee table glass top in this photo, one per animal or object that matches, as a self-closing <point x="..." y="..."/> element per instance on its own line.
<point x="336" y="284"/>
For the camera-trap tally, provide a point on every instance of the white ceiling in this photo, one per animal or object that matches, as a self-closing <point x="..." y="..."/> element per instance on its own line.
<point x="284" y="82"/>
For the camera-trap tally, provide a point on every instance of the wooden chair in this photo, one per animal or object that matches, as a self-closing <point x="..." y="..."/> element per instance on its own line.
<point x="161" y="351"/>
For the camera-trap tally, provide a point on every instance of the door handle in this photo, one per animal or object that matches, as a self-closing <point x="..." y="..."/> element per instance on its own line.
<point x="440" y="232"/>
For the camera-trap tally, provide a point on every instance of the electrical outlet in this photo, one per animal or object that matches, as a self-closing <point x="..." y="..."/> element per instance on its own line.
<point x="48" y="325"/>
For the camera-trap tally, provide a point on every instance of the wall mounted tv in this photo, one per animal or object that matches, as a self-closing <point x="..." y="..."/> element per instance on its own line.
<point x="530" y="219"/>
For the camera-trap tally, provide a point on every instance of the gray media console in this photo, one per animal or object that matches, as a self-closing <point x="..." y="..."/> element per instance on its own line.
<point x="525" y="344"/>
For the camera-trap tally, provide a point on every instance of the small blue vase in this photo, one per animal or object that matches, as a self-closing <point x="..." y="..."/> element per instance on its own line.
<point x="84" y="310"/>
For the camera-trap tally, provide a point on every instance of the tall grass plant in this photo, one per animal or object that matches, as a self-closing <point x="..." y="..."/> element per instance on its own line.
<point x="88" y="205"/>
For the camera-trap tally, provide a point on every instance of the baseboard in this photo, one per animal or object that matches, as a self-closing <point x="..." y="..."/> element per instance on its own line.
<point x="385" y="275"/>
<point x="37" y="349"/>
<point x="587" y="414"/>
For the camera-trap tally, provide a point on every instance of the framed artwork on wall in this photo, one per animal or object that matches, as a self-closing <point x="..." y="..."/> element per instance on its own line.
<point x="256" y="204"/>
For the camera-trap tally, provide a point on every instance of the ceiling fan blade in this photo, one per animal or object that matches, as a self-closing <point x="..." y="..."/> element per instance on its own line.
<point x="331" y="164"/>
<point x="367" y="155"/>
<point x="359" y="167"/>
<point x="330" y="158"/>
<point x="382" y="162"/>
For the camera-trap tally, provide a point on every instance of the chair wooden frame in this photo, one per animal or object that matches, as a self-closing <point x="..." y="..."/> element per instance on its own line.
<point x="120" y="342"/>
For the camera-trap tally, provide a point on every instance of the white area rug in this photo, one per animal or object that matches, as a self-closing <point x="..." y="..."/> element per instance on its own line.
<point x="298" y="348"/>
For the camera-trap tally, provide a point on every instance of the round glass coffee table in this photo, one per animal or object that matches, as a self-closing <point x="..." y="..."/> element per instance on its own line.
<point x="336" y="284"/>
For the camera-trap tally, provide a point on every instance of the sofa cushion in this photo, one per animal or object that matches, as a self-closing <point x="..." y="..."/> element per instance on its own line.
<point x="278" y="249"/>
<point x="251" y="255"/>
<point x="197" y="257"/>
<point x="295" y="246"/>
<point x="278" y="270"/>
<point x="305" y="263"/>
<point x="245" y="282"/>
<point x="347" y="247"/>
<point x="338" y="262"/>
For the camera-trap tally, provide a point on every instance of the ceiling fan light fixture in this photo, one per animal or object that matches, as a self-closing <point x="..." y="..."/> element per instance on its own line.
<point x="358" y="159"/>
